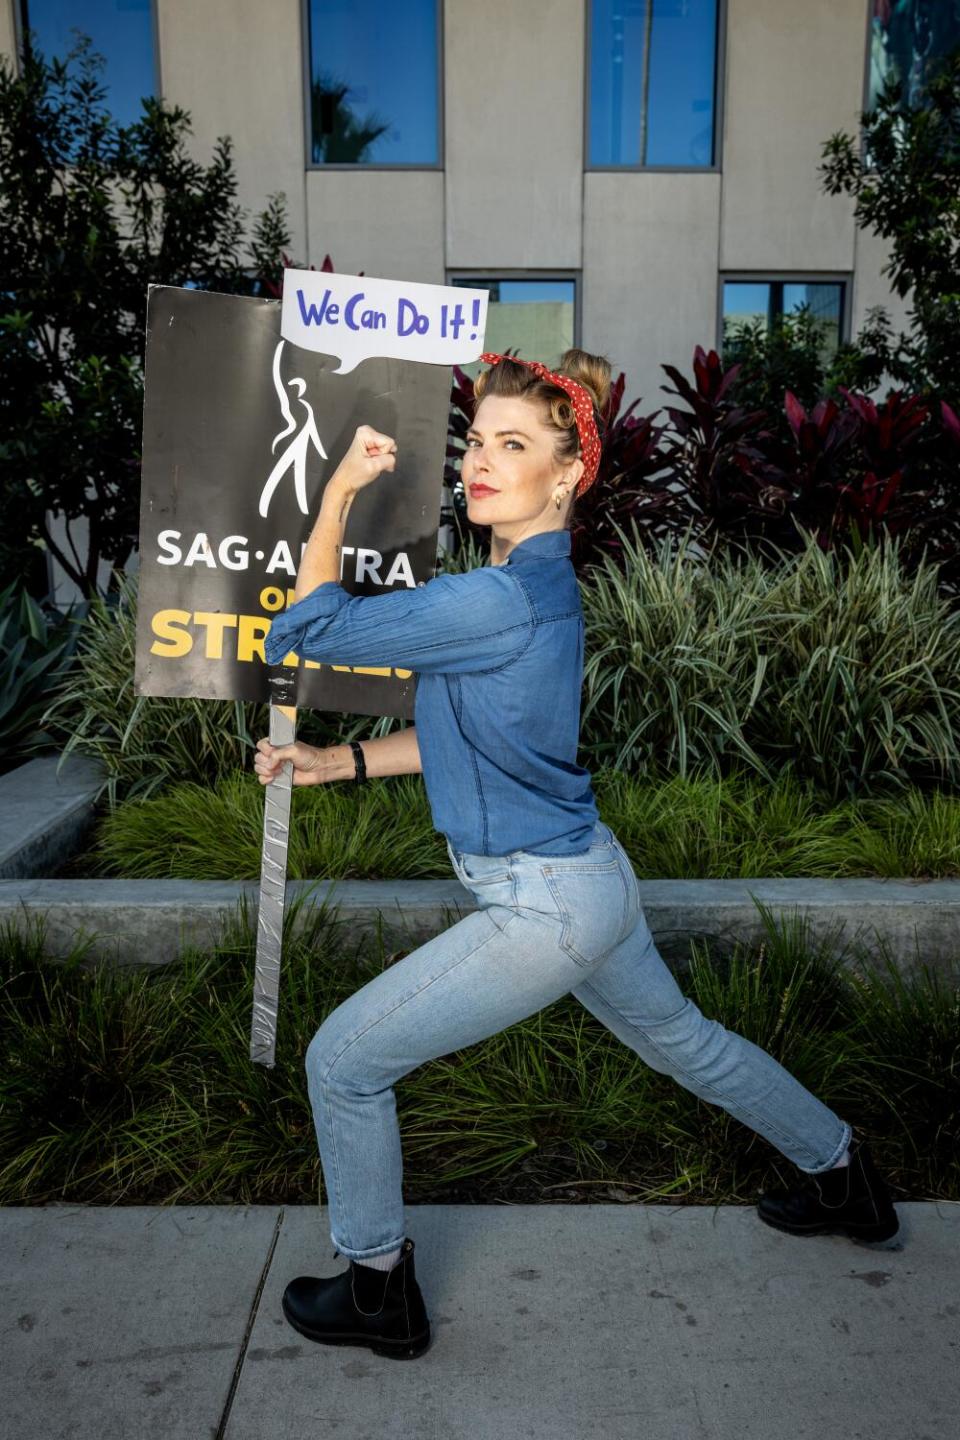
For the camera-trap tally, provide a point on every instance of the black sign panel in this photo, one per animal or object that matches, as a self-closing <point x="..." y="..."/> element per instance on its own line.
<point x="241" y="431"/>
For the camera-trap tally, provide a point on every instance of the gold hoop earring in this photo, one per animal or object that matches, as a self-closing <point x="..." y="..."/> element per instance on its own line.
<point x="558" y="500"/>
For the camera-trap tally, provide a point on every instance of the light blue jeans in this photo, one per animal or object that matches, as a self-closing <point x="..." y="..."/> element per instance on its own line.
<point x="547" y="925"/>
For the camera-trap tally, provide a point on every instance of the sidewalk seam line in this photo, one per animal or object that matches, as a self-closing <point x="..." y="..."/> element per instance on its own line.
<point x="251" y="1320"/>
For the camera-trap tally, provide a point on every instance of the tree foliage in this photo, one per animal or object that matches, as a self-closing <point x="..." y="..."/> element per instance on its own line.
<point x="904" y="175"/>
<point x="92" y="213"/>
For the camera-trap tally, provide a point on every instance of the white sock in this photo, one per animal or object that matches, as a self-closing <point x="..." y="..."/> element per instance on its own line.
<point x="382" y="1262"/>
<point x="844" y="1160"/>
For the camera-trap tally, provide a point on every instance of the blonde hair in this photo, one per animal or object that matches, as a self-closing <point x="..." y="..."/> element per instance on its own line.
<point x="516" y="381"/>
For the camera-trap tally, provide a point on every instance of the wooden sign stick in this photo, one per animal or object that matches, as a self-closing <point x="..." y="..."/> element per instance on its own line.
<point x="273" y="877"/>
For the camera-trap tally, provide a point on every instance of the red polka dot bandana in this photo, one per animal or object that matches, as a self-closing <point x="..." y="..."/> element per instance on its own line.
<point x="582" y="403"/>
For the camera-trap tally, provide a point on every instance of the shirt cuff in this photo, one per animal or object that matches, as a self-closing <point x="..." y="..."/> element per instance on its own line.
<point x="289" y="627"/>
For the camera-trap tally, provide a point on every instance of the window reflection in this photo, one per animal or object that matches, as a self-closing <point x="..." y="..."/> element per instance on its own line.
<point x="373" y="82"/>
<point x="534" y="318"/>
<point x="652" y="82"/>
<point x="121" y="31"/>
<point x="747" y="301"/>
<point x="908" y="41"/>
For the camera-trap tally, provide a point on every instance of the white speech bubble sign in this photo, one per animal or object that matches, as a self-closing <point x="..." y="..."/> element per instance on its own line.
<point x="355" y="317"/>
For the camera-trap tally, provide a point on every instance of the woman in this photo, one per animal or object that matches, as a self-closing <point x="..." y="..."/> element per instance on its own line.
<point x="499" y="657"/>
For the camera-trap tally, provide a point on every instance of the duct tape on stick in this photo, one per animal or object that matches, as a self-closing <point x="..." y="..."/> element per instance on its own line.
<point x="273" y="874"/>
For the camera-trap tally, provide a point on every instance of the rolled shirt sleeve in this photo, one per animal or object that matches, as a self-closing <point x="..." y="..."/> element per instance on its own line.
<point x="478" y="620"/>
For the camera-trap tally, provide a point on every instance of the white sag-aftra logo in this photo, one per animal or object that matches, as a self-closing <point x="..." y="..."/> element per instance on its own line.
<point x="300" y="432"/>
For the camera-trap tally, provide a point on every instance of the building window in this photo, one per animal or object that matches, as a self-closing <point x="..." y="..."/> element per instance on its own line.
<point x="652" y="83"/>
<point x="747" y="301"/>
<point x="534" y="318"/>
<point x="121" y="31"/>
<point x="908" y="43"/>
<point x="374" y="82"/>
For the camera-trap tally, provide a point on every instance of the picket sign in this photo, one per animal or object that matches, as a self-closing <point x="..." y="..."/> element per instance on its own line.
<point x="248" y="402"/>
<point x="353" y="319"/>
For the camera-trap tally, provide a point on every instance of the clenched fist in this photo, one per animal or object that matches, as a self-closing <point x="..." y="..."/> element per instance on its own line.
<point x="369" y="454"/>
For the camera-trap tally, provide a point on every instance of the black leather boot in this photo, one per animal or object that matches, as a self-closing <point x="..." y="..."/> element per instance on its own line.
<point x="852" y="1200"/>
<point x="362" y="1306"/>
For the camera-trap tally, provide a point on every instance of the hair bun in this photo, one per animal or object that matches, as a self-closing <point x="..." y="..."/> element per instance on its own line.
<point x="591" y="371"/>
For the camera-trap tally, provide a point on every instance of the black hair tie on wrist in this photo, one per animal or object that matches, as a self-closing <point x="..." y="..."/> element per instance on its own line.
<point x="360" y="773"/>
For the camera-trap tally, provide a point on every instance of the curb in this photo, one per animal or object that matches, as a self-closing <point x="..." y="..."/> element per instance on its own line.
<point x="148" y="922"/>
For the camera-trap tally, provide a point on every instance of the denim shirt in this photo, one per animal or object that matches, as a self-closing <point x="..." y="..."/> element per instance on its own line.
<point x="498" y="656"/>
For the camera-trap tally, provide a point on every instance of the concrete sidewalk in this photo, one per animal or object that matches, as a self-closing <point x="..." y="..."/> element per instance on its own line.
<point x="555" y="1322"/>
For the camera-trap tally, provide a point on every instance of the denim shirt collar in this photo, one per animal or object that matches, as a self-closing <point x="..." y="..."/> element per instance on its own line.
<point x="547" y="544"/>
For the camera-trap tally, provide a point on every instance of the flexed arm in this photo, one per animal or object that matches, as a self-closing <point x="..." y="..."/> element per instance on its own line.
<point x="369" y="454"/>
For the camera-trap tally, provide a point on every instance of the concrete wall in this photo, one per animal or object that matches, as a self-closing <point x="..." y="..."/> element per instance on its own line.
<point x="649" y="273"/>
<point x="513" y="194"/>
<point x="657" y="244"/>
<point x="794" y="74"/>
<point x="382" y="222"/>
<point x="8" y="42"/>
<point x="236" y="65"/>
<point x="870" y="287"/>
<point x="514" y="133"/>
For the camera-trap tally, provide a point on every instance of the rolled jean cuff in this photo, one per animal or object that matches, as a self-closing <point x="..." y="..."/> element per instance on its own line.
<point x="818" y="1169"/>
<point x="371" y="1251"/>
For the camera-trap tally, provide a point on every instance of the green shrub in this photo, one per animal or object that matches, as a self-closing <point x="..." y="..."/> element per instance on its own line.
<point x="215" y="832"/>
<point x="35" y="655"/>
<point x="848" y="676"/>
<point x="737" y="827"/>
<point x="135" y="1086"/>
<point x="92" y="213"/>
